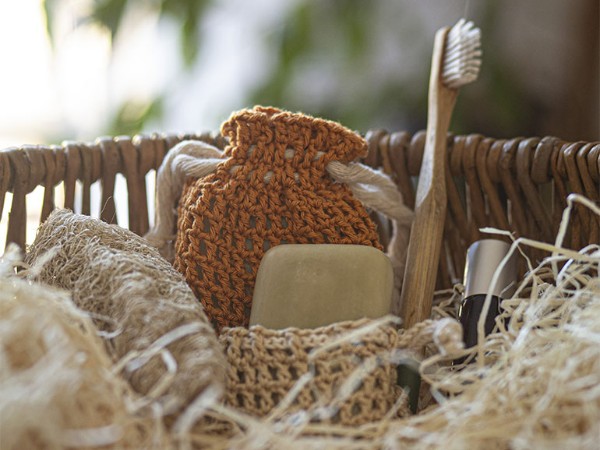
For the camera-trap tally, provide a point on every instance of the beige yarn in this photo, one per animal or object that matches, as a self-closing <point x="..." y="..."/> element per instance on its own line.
<point x="57" y="389"/>
<point x="342" y="373"/>
<point x="138" y="301"/>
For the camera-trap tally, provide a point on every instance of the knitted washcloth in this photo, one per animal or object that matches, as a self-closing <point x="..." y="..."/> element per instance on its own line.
<point x="271" y="189"/>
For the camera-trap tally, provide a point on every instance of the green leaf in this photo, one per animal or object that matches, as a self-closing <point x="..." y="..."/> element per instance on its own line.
<point x="133" y="115"/>
<point x="353" y="21"/>
<point x="49" y="12"/>
<point x="108" y="13"/>
<point x="188" y="13"/>
<point x="190" y="41"/>
<point x="291" y="43"/>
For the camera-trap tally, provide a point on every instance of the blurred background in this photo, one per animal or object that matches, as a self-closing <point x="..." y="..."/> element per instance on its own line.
<point x="78" y="69"/>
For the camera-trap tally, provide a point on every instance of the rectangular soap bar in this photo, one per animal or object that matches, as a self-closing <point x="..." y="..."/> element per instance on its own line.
<point x="311" y="285"/>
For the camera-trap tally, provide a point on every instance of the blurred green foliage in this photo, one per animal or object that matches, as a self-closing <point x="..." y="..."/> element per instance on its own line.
<point x="340" y="37"/>
<point x="338" y="40"/>
<point x="109" y="14"/>
<point x="131" y="116"/>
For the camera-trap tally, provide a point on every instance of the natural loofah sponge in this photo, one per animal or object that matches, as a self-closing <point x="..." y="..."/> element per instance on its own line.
<point x="272" y="188"/>
<point x="137" y="299"/>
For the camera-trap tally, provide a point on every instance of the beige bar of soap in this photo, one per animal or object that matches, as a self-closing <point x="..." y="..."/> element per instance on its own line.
<point x="311" y="285"/>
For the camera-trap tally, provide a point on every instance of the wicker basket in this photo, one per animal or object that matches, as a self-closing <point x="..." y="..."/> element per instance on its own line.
<point x="517" y="184"/>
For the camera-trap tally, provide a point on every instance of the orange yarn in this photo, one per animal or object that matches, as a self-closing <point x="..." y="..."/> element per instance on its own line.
<point x="271" y="189"/>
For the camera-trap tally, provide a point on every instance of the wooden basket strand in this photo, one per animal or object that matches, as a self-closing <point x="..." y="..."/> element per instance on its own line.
<point x="518" y="184"/>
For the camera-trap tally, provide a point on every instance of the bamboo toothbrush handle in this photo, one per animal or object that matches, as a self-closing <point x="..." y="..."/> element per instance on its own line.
<point x="430" y="208"/>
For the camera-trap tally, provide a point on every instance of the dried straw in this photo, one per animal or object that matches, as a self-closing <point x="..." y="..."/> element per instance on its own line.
<point x="57" y="389"/>
<point x="534" y="382"/>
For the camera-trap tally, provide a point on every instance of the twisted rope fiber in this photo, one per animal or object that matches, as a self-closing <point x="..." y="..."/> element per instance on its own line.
<point x="270" y="187"/>
<point x="376" y="190"/>
<point x="188" y="159"/>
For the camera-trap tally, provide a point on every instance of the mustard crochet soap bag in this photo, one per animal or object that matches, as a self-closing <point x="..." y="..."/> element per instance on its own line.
<point x="272" y="188"/>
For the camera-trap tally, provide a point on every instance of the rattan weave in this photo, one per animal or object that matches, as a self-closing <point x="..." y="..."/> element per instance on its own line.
<point x="518" y="184"/>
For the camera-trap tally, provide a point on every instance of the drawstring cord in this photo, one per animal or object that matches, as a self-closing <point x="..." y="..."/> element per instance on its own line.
<point x="196" y="159"/>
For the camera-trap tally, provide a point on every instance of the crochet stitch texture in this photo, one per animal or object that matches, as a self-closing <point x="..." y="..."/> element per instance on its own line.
<point x="272" y="188"/>
<point x="265" y="365"/>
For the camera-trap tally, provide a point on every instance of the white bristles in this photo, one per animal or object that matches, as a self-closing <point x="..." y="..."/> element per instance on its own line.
<point x="462" y="55"/>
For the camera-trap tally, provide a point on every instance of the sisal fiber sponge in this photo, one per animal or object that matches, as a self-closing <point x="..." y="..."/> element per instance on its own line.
<point x="142" y="306"/>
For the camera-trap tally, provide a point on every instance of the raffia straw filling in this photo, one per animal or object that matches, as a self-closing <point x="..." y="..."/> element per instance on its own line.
<point x="57" y="389"/>
<point x="535" y="383"/>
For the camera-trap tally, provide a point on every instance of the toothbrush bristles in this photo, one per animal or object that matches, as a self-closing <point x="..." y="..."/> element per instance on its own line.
<point x="462" y="55"/>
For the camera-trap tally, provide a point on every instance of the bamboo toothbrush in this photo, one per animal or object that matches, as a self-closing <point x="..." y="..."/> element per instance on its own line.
<point x="455" y="62"/>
